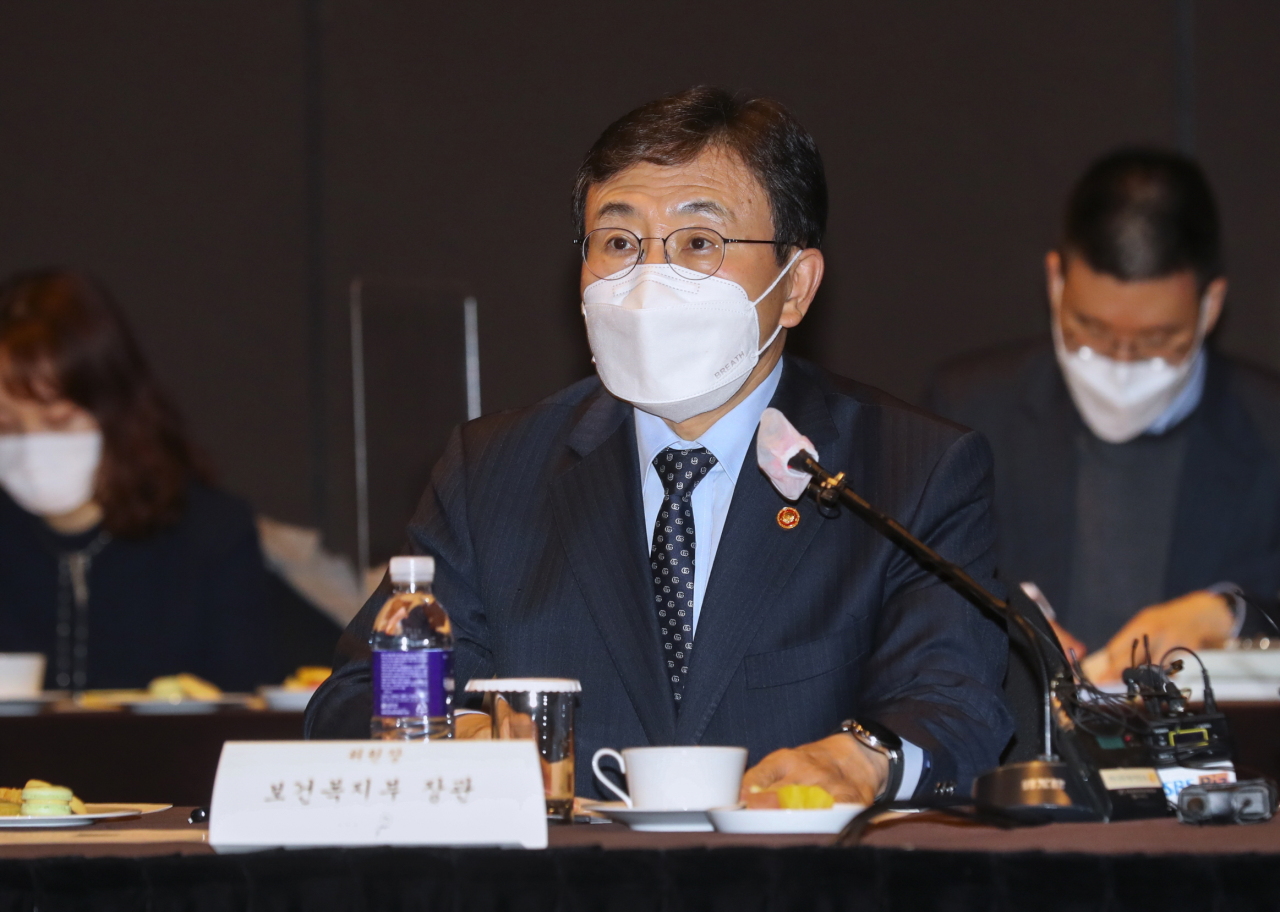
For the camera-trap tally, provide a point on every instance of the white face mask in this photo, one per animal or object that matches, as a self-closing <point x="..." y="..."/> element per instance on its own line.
<point x="1119" y="400"/>
<point x="50" y="474"/>
<point x="671" y="346"/>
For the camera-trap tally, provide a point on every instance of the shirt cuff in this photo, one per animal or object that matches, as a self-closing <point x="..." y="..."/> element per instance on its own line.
<point x="915" y="761"/>
<point x="1235" y="595"/>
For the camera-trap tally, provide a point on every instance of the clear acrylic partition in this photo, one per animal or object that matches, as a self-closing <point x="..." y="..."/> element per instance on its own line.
<point x="415" y="374"/>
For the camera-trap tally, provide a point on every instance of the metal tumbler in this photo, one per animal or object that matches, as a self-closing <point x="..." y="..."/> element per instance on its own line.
<point x="540" y="710"/>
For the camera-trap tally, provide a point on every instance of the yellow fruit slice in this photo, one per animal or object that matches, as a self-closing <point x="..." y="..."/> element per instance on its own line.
<point x="804" y="797"/>
<point x="183" y="687"/>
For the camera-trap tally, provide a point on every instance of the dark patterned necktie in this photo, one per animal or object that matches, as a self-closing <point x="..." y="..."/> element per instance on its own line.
<point x="672" y="557"/>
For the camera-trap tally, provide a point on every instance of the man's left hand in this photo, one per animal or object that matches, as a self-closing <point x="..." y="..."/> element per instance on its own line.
<point x="472" y="726"/>
<point x="847" y="769"/>
<point x="1198" y="620"/>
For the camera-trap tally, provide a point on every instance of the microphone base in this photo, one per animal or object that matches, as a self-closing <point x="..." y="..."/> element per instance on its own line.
<point x="1034" y="792"/>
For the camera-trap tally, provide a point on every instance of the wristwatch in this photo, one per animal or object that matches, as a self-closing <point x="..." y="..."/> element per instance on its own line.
<point x="882" y="740"/>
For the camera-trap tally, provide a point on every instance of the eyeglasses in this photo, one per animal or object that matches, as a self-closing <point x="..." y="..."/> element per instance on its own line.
<point x="1171" y="344"/>
<point x="694" y="253"/>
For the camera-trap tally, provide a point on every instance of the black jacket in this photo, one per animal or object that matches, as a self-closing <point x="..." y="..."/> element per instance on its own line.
<point x="192" y="597"/>
<point x="535" y="520"/>
<point x="1227" y="516"/>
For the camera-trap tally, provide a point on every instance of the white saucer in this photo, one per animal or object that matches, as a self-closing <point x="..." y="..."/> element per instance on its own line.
<point x="185" y="707"/>
<point x="282" y="699"/>
<point x="28" y="706"/>
<point x="772" y="820"/>
<point x="95" y="812"/>
<point x="645" y="820"/>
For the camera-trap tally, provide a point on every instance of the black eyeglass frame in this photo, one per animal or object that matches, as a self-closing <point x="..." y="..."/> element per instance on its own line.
<point x="581" y="243"/>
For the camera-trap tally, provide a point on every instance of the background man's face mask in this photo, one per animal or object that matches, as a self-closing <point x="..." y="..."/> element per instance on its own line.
<point x="672" y="346"/>
<point x="50" y="474"/>
<point x="1118" y="400"/>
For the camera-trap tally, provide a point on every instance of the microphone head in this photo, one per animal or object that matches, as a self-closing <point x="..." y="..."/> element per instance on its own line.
<point x="776" y="442"/>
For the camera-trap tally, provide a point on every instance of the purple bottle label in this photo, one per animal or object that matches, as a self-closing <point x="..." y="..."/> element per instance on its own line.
<point x="416" y="683"/>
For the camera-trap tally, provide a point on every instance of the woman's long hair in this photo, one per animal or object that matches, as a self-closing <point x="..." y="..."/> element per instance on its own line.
<point x="62" y="336"/>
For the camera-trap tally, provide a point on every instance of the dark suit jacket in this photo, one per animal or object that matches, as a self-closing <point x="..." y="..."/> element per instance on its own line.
<point x="1227" y="517"/>
<point x="535" y="520"/>
<point x="190" y="597"/>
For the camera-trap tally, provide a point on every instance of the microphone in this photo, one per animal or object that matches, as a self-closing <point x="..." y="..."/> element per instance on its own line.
<point x="790" y="460"/>
<point x="1033" y="792"/>
<point x="777" y="443"/>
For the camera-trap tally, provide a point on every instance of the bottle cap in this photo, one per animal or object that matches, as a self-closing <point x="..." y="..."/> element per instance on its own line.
<point x="416" y="569"/>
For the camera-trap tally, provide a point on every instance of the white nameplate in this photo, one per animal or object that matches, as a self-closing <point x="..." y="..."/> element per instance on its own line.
<point x="355" y="793"/>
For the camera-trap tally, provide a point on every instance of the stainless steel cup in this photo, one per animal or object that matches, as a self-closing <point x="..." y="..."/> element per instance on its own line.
<point x="540" y="710"/>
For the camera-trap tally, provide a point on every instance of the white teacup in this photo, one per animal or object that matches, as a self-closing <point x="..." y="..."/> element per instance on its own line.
<point x="676" y="778"/>
<point x="21" y="675"/>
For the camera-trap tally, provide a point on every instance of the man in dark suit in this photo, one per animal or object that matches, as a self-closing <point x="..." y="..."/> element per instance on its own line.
<point x="565" y="534"/>
<point x="1137" y="470"/>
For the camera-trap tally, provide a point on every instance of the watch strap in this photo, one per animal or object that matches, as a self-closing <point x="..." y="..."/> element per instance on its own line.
<point x="884" y="741"/>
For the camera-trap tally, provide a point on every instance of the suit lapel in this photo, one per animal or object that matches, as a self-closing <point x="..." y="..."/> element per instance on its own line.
<point x="1217" y="475"/>
<point x="753" y="562"/>
<point x="597" y="507"/>
<point x="1043" y="490"/>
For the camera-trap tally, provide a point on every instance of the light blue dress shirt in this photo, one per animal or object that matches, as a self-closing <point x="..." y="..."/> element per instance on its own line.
<point x="1186" y="401"/>
<point x="728" y="440"/>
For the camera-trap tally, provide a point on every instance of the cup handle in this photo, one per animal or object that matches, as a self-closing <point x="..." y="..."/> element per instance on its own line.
<point x="622" y="765"/>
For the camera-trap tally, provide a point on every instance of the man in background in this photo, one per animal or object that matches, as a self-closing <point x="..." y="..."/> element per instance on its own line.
<point x="1137" y="472"/>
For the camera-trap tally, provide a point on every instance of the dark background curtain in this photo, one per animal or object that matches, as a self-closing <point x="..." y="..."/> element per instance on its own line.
<point x="227" y="166"/>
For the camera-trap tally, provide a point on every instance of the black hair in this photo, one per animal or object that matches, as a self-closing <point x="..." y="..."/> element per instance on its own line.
<point x="1144" y="213"/>
<point x="676" y="129"/>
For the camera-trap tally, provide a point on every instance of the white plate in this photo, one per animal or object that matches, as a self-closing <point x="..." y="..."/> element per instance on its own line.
<point x="771" y="820"/>
<point x="184" y="707"/>
<point x="651" y="821"/>
<point x="28" y="706"/>
<point x="96" y="812"/>
<point x="283" y="700"/>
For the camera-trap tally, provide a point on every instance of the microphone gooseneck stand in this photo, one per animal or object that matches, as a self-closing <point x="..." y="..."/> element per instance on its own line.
<point x="1036" y="791"/>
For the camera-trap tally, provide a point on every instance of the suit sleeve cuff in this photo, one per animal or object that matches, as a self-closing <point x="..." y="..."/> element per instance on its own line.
<point x="1235" y="598"/>
<point x="915" y="764"/>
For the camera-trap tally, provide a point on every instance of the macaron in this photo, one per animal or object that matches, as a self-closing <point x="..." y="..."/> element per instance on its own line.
<point x="46" y="808"/>
<point x="40" y="799"/>
<point x="47" y="793"/>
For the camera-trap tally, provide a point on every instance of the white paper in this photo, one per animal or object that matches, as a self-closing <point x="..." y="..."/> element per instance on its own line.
<point x="356" y="793"/>
<point x="1176" y="778"/>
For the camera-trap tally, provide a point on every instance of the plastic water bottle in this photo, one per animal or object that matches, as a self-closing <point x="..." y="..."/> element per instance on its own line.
<point x="412" y="658"/>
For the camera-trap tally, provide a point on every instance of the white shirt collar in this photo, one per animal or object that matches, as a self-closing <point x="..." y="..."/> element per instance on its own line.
<point x="727" y="439"/>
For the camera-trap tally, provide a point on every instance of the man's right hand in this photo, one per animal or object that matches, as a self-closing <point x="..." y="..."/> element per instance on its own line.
<point x="1197" y="620"/>
<point x="472" y="726"/>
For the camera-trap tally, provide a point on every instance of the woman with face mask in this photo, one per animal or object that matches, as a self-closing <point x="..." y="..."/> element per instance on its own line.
<point x="118" y="560"/>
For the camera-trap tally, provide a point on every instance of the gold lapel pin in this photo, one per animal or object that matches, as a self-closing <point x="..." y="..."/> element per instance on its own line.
<point x="788" y="517"/>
